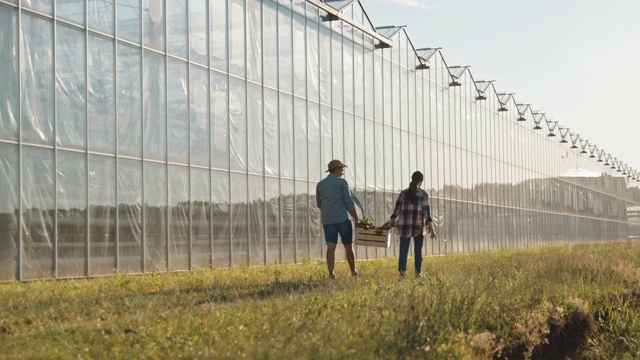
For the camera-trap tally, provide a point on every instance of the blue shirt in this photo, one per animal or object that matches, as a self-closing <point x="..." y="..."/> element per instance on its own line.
<point x="333" y="197"/>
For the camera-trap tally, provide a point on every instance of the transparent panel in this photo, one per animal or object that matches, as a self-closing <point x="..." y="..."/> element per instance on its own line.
<point x="71" y="10"/>
<point x="101" y="100"/>
<point x="315" y="163"/>
<point x="336" y="71"/>
<point x="129" y="175"/>
<point x="38" y="217"/>
<point x="256" y="218"/>
<point x="179" y="240"/>
<point x="313" y="62"/>
<point x="9" y="211"/>
<point x="337" y="135"/>
<point x="254" y="41"/>
<point x="347" y="75"/>
<point x="239" y="220"/>
<point x="271" y="121"/>
<point x="299" y="56"/>
<point x="200" y="218"/>
<point x="199" y="114"/>
<point x="220" y="218"/>
<point x="237" y="37"/>
<point x="219" y="121"/>
<point x="43" y="6"/>
<point x="272" y="219"/>
<point x="102" y="215"/>
<point x="153" y="19"/>
<point x="71" y="202"/>
<point x="325" y="65"/>
<point x="155" y="216"/>
<point x="287" y="221"/>
<point x="359" y="153"/>
<point x="270" y="43"/>
<point x="300" y="145"/>
<point x="255" y="129"/>
<point x="128" y="99"/>
<point x="37" y="91"/>
<point x="285" y="50"/>
<point x="301" y="214"/>
<point x="71" y="88"/>
<point x="371" y="166"/>
<point x="129" y="18"/>
<point x="177" y="112"/>
<point x="177" y="30"/>
<point x="238" y="124"/>
<point x="198" y="32"/>
<point x="154" y="107"/>
<point x="100" y="15"/>
<point x="286" y="136"/>
<point x="218" y="31"/>
<point x="9" y="77"/>
<point x="326" y="140"/>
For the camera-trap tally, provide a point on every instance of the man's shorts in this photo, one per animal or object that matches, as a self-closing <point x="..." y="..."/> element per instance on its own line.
<point x="345" y="230"/>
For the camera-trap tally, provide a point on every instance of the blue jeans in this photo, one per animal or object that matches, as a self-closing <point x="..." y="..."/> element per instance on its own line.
<point x="345" y="230"/>
<point x="404" y="253"/>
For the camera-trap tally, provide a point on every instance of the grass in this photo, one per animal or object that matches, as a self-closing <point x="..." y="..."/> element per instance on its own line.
<point x="567" y="302"/>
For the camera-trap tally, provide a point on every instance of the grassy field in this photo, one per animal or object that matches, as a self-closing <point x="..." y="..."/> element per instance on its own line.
<point x="568" y="302"/>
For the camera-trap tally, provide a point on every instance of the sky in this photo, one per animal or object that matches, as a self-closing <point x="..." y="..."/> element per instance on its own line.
<point x="576" y="60"/>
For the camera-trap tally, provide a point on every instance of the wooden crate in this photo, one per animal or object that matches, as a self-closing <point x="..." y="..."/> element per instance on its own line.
<point x="373" y="237"/>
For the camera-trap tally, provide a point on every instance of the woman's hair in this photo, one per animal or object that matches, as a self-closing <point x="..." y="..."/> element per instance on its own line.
<point x="411" y="195"/>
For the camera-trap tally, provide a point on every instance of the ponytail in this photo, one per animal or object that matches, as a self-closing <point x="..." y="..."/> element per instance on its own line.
<point x="412" y="193"/>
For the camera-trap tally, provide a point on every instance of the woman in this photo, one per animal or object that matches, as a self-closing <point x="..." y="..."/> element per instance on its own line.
<point x="412" y="211"/>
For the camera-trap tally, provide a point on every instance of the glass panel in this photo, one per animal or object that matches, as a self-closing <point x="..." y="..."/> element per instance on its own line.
<point x="9" y="76"/>
<point x="238" y="124"/>
<point x="9" y="211"/>
<point x="71" y="88"/>
<point x="325" y="65"/>
<point x="218" y="31"/>
<point x="239" y="220"/>
<point x="199" y="106"/>
<point x="100" y="14"/>
<point x="38" y="217"/>
<point x="198" y="31"/>
<point x="270" y="43"/>
<point x="301" y="213"/>
<point x="287" y="221"/>
<point x="178" y="112"/>
<point x="219" y="121"/>
<point x="271" y="120"/>
<point x="200" y="218"/>
<point x="256" y="217"/>
<point x="299" y="56"/>
<point x="177" y="31"/>
<point x="155" y="216"/>
<point x="255" y="129"/>
<point x="254" y="41"/>
<point x="155" y="111"/>
<point x="236" y="37"/>
<point x="71" y="202"/>
<point x="129" y="215"/>
<point x="102" y="215"/>
<point x="220" y="218"/>
<point x="43" y="6"/>
<point x="313" y="130"/>
<point x="129" y="20"/>
<point x="71" y="10"/>
<point x="179" y="241"/>
<point x="272" y="218"/>
<point x="153" y="18"/>
<point x="101" y="101"/>
<point x="37" y="90"/>
<point x="286" y="136"/>
<point x="313" y="65"/>
<point x="300" y="135"/>
<point x="285" y="50"/>
<point x="128" y="100"/>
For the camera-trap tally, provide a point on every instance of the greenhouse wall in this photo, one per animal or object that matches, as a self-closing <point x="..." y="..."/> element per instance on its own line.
<point x="141" y="135"/>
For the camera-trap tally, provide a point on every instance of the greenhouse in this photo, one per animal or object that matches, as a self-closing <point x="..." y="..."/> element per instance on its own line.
<point x="141" y="135"/>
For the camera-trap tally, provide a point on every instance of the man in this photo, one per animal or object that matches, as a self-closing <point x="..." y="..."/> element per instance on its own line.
<point x="333" y="197"/>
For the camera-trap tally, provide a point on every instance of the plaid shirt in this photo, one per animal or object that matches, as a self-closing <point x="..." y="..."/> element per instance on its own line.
<point x="410" y="216"/>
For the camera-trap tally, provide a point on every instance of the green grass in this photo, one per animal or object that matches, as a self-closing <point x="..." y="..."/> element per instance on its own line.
<point x="567" y="302"/>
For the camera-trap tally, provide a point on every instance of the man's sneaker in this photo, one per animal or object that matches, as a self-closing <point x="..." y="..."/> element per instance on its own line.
<point x="420" y="275"/>
<point x="401" y="278"/>
<point x="357" y="274"/>
<point x="332" y="277"/>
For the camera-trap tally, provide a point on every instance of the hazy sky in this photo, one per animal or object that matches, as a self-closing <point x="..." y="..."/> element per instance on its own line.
<point x="576" y="60"/>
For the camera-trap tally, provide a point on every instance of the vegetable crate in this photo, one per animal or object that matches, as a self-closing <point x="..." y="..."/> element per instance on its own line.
<point x="373" y="236"/>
